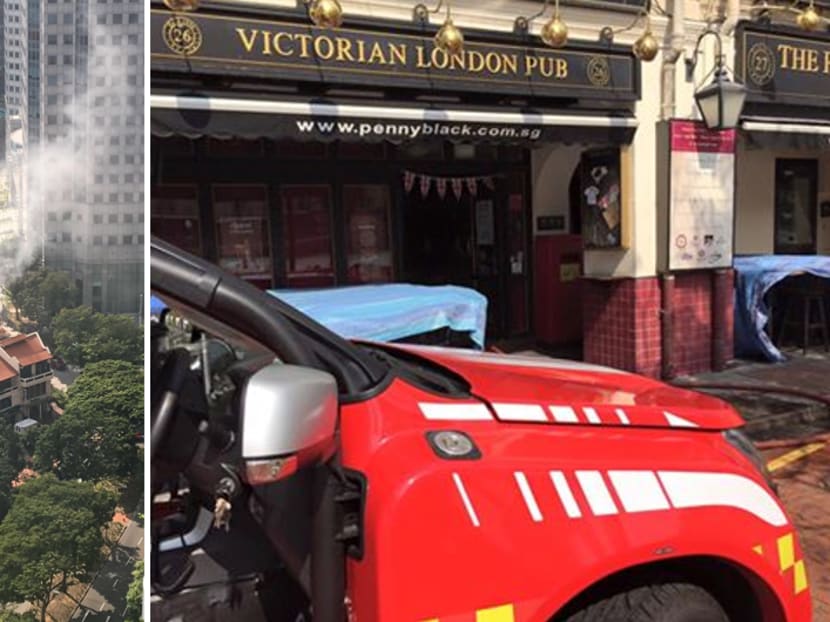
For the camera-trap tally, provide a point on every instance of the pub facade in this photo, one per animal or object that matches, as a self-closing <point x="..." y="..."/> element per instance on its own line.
<point x="783" y="160"/>
<point x="304" y="157"/>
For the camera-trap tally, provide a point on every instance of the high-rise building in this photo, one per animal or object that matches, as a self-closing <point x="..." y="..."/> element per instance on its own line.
<point x="21" y="23"/>
<point x="91" y="193"/>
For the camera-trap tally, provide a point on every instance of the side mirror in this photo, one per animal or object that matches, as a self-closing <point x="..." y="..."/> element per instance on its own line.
<point x="288" y="420"/>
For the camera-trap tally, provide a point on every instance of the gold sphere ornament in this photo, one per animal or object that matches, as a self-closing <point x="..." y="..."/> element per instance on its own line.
<point x="182" y="5"/>
<point x="326" y="13"/>
<point x="808" y="19"/>
<point x="449" y="38"/>
<point x="646" y="47"/>
<point x="555" y="32"/>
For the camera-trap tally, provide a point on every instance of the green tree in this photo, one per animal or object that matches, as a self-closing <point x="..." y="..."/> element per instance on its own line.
<point x="51" y="537"/>
<point x="113" y="387"/>
<point x="11" y="461"/>
<point x="95" y="437"/>
<point x="134" y="594"/>
<point x="82" y="336"/>
<point x="39" y="294"/>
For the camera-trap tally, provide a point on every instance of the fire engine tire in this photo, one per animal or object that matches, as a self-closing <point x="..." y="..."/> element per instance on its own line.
<point x="669" y="602"/>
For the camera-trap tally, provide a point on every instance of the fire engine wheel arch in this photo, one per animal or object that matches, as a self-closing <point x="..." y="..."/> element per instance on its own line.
<point x="666" y="602"/>
<point x="737" y="592"/>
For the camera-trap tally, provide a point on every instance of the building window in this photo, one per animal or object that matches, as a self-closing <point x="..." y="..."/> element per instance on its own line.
<point x="5" y="403"/>
<point x="112" y="240"/>
<point x="97" y="240"/>
<point x="6" y="385"/>
<point x="36" y="391"/>
<point x="42" y="368"/>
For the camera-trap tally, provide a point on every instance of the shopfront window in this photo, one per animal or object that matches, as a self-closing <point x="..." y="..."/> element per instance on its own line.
<point x="242" y="231"/>
<point x="368" y="239"/>
<point x="796" y="184"/>
<point x="307" y="230"/>
<point x="176" y="216"/>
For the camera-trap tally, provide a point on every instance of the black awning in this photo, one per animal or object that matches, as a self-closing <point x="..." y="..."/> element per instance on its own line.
<point x="786" y="133"/>
<point x="326" y="120"/>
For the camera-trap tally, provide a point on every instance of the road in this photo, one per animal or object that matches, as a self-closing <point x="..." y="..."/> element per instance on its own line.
<point x="107" y="596"/>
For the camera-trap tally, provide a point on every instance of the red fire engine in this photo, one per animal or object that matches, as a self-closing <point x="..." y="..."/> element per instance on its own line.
<point x="298" y="476"/>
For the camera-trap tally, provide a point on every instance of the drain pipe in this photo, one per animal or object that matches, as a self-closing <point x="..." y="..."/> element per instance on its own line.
<point x="671" y="55"/>
<point x="667" y="326"/>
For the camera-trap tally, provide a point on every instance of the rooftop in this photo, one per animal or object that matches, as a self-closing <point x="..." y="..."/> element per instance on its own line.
<point x="27" y="349"/>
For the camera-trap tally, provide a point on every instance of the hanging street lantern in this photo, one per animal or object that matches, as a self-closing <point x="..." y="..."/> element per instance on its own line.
<point x="720" y="103"/>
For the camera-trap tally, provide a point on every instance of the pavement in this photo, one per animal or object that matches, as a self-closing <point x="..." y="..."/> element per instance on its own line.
<point x="804" y="488"/>
<point x="774" y="415"/>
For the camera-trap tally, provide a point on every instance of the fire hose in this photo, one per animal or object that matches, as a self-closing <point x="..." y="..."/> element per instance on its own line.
<point x="771" y="444"/>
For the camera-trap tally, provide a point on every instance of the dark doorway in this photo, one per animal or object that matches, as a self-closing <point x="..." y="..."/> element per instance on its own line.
<point x="796" y="187"/>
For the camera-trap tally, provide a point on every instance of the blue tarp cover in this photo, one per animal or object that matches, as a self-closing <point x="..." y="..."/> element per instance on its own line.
<point x="394" y="311"/>
<point x="753" y="279"/>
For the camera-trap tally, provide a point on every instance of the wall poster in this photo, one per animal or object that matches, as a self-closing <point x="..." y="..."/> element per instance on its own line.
<point x="701" y="196"/>
<point x="601" y="199"/>
<point x="242" y="231"/>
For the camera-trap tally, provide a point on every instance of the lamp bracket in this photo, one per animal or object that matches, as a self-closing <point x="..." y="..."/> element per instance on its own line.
<point x="691" y="61"/>
<point x="606" y="35"/>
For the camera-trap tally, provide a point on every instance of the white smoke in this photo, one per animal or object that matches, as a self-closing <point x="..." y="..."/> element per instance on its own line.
<point x="90" y="151"/>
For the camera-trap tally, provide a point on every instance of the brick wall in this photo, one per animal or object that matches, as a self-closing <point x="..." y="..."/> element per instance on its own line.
<point x="622" y="327"/>
<point x="692" y="339"/>
<point x="621" y="324"/>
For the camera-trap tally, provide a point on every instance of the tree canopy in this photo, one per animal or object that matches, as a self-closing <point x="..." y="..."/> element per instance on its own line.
<point x="95" y="437"/>
<point x="82" y="336"/>
<point x="11" y="461"/>
<point x="51" y="535"/>
<point x="39" y="294"/>
<point x="132" y="613"/>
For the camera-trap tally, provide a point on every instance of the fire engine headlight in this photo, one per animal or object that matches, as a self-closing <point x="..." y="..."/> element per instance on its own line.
<point x="453" y="445"/>
<point x="742" y="443"/>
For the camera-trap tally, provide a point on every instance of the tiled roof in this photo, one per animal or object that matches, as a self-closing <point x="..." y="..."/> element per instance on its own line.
<point x="27" y="349"/>
<point x="6" y="371"/>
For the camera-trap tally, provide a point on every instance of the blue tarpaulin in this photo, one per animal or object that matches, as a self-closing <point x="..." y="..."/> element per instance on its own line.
<point x="386" y="312"/>
<point x="393" y="311"/>
<point x="754" y="277"/>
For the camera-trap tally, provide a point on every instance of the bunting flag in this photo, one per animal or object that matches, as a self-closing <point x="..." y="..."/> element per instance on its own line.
<point x="408" y="180"/>
<point x="472" y="186"/>
<point x="457" y="187"/>
<point x="441" y="186"/>
<point x="426" y="182"/>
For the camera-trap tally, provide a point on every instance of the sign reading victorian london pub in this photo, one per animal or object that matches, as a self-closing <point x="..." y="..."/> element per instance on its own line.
<point x="239" y="46"/>
<point x="783" y="67"/>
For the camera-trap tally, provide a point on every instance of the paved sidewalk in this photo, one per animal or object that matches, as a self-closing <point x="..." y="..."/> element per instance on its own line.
<point x="774" y="415"/>
<point x="804" y="487"/>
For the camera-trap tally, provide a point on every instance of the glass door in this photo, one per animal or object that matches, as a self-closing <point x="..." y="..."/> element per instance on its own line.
<point x="243" y="240"/>
<point x="307" y="235"/>
<point x="796" y="185"/>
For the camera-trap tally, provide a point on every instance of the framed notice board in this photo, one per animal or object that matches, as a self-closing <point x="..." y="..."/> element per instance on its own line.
<point x="601" y="198"/>
<point x="701" y="196"/>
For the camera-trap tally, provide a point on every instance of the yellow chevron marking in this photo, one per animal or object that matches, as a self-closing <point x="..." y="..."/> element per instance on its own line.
<point x="496" y="614"/>
<point x="758" y="549"/>
<point x="793" y="456"/>
<point x="800" y="577"/>
<point x="431" y="620"/>
<point x="786" y="552"/>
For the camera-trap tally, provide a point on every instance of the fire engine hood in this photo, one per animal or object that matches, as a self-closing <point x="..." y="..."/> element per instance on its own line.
<point x="554" y="391"/>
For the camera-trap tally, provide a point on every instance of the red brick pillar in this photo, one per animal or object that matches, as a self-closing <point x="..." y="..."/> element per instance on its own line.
<point x="723" y="318"/>
<point x="621" y="323"/>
